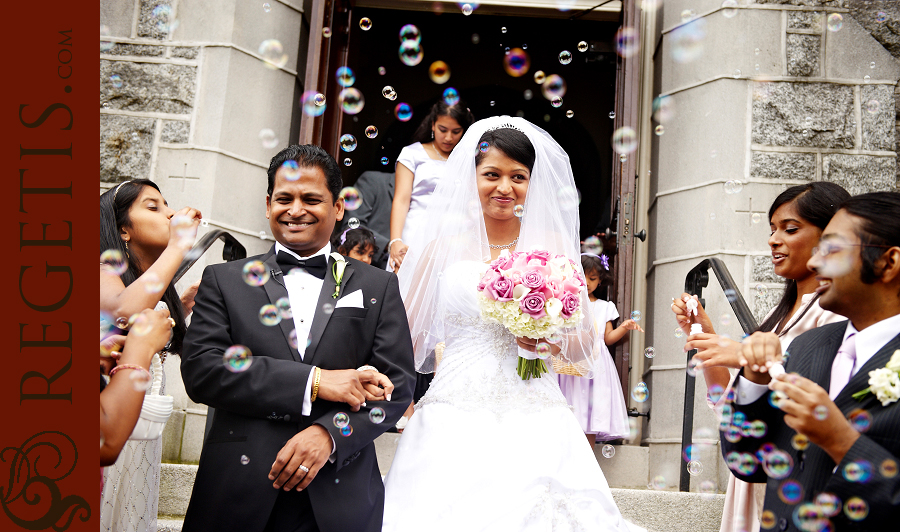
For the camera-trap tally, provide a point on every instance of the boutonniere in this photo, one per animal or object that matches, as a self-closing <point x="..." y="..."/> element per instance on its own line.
<point x="884" y="382"/>
<point x="337" y="271"/>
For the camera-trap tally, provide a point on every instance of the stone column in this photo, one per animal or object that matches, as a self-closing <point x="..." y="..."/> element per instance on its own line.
<point x="759" y="97"/>
<point x="186" y="97"/>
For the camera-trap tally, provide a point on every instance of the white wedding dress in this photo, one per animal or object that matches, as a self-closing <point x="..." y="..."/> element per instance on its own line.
<point x="486" y="450"/>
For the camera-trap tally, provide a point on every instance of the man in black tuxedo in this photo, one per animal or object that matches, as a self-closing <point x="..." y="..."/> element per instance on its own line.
<point x="291" y="445"/>
<point x="834" y="464"/>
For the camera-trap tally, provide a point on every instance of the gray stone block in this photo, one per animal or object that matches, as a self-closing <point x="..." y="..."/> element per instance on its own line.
<point x="803" y="54"/>
<point x="762" y="271"/>
<point x="852" y="53"/>
<point x="156" y="19"/>
<point x="176" y="482"/>
<point x="660" y="511"/>
<point x="806" y="20"/>
<point x="175" y="131"/>
<point x="877" y="117"/>
<point x="385" y="449"/>
<point x="860" y="173"/>
<point x="186" y="52"/>
<point x="770" y="165"/>
<point x="125" y="147"/>
<point x="784" y="111"/>
<point x="171" y="437"/>
<point x="117" y="16"/>
<point x="881" y="18"/>
<point x="192" y="439"/>
<point x="627" y="468"/>
<point x="763" y="300"/>
<point x="137" y="50"/>
<point x="155" y="87"/>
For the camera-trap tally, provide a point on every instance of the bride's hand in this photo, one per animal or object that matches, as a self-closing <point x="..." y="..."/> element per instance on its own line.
<point x="530" y="344"/>
<point x="376" y="385"/>
<point x="398" y="253"/>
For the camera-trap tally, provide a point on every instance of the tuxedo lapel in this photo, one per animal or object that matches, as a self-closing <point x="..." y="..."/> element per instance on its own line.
<point x="321" y="318"/>
<point x="860" y="380"/>
<point x="276" y="290"/>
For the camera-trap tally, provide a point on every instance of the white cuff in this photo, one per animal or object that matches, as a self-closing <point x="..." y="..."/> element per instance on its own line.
<point x="333" y="456"/>
<point x="307" y="401"/>
<point x="747" y="392"/>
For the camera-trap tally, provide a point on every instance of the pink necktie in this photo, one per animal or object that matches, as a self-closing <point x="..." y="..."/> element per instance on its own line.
<point x="842" y="367"/>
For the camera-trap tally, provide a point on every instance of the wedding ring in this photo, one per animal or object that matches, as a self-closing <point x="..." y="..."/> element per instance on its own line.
<point x="366" y="368"/>
<point x="171" y="322"/>
<point x="304" y="468"/>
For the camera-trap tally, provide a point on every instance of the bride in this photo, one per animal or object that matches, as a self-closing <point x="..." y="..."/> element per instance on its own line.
<point x="485" y="449"/>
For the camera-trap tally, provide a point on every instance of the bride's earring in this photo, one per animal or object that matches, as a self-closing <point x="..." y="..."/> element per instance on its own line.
<point x="432" y="134"/>
<point x="126" y="250"/>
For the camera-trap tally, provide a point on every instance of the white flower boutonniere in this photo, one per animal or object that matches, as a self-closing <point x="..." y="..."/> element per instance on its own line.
<point x="884" y="382"/>
<point x="337" y="271"/>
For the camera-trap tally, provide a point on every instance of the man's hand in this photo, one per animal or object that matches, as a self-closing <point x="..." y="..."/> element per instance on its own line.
<point x="347" y="386"/>
<point x="809" y="411"/>
<point x="310" y="448"/>
<point x="714" y="351"/>
<point x="759" y="352"/>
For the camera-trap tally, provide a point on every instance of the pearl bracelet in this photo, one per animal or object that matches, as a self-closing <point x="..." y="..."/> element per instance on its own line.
<point x="391" y="243"/>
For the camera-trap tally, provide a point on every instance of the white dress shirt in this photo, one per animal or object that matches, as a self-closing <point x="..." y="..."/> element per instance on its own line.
<point x="868" y="342"/>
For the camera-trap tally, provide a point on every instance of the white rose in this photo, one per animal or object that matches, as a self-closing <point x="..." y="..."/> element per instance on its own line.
<point x="553" y="307"/>
<point x="894" y="363"/>
<point x="885" y="384"/>
<point x="558" y="266"/>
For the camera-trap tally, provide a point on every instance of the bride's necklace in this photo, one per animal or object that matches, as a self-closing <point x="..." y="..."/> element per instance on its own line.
<point x="436" y="152"/>
<point x="511" y="244"/>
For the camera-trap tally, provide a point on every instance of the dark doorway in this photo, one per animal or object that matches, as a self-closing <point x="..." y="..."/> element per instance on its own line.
<point x="474" y="48"/>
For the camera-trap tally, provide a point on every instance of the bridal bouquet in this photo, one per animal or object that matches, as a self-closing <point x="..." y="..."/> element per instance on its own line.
<point x="534" y="295"/>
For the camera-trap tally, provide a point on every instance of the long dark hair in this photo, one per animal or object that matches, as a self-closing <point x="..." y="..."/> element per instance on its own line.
<point x="360" y="237"/>
<point x="512" y="142"/>
<point x="815" y="203"/>
<point x="113" y="217"/>
<point x="880" y="214"/>
<point x="457" y="111"/>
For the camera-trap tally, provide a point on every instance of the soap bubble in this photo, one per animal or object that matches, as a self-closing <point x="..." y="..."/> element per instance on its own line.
<point x="384" y="161"/>
<point x="403" y="112"/>
<point x="269" y="315"/>
<point x="353" y="223"/>
<point x="658" y="483"/>
<point x="267" y="138"/>
<point x="820" y="412"/>
<point x="328" y="308"/>
<point x="382" y="71"/>
<point x="659" y="130"/>
<point x="371" y="132"/>
<point x="105" y="45"/>
<point x="733" y="186"/>
<point x="237" y="358"/>
<point x="346" y="431"/>
<point x="451" y="96"/>
<point x="313" y="103"/>
<point x="736" y="74"/>
<point x="583" y="46"/>
<point x="439" y="72"/>
<point x="352" y="198"/>
<point x="255" y="273"/>
<point x="856" y="509"/>
<point x="244" y="459"/>
<point x="292" y="339"/>
<point x="326" y="32"/>
<point x="692" y="367"/>
<point x="466" y="9"/>
<point x="608" y="451"/>
<point x="640" y="393"/>
<point x="341" y="420"/>
<point x="687" y="41"/>
<point x="728" y="8"/>
<point x="345" y="77"/>
<point x="516" y="62"/>
<point x="679" y="333"/>
<point x="165" y="22"/>
<point x="860" y="420"/>
<point x="389" y="92"/>
<point x="411" y="53"/>
<point x="519" y="211"/>
<point x="636" y="315"/>
<point x="835" y="22"/>
<point x="352" y="101"/>
<point x="553" y="86"/>
<point x="152" y="283"/>
<point x="756" y="217"/>
<point x="888" y="468"/>
<point x="556" y="101"/>
<point x="283" y="305"/>
<point x="410" y="32"/>
<point x="116" y="81"/>
<point x="663" y="109"/>
<point x="799" y="442"/>
<point x="624" y="140"/>
<point x="484" y="147"/>
<point x="790" y="492"/>
<point x="570" y="113"/>
<point x="694" y="467"/>
<point x="565" y="57"/>
<point x="627" y="42"/>
<point x="777" y="464"/>
<point x="272" y="53"/>
<point x="612" y="115"/>
<point x="365" y="23"/>
<point x="290" y="170"/>
<point x="858" y="471"/>
<point x="376" y="415"/>
<point x="866" y="78"/>
<point x="542" y="350"/>
<point x="348" y="161"/>
<point x="348" y="142"/>
<point x="569" y="197"/>
<point x="539" y="77"/>
<point x="114" y="262"/>
<point x="140" y="380"/>
<point x="829" y="503"/>
<point x="873" y="106"/>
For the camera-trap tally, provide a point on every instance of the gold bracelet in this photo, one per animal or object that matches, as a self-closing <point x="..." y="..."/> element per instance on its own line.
<point x="315" y="391"/>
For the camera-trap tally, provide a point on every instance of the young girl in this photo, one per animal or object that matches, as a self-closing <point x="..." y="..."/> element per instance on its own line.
<point x="598" y="403"/>
<point x="357" y="244"/>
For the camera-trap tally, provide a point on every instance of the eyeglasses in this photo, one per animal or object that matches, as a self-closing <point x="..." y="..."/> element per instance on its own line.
<point x="827" y="248"/>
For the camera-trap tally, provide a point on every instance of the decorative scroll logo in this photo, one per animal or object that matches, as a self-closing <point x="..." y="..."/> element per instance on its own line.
<point x="31" y="499"/>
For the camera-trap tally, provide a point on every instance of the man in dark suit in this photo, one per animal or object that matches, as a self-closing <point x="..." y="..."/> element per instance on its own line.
<point x="831" y="450"/>
<point x="291" y="445"/>
<point x="376" y="189"/>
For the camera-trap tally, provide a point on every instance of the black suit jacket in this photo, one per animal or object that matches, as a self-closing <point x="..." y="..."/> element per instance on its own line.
<point x="259" y="409"/>
<point x="811" y="355"/>
<point x="376" y="189"/>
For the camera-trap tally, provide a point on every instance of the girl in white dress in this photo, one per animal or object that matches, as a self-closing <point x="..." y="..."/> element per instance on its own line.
<point x="487" y="450"/>
<point x="419" y="167"/>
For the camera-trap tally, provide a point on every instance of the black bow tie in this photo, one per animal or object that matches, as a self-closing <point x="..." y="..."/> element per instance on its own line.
<point x="314" y="266"/>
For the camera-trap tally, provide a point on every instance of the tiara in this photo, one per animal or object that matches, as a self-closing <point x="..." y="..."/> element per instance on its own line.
<point x="505" y="125"/>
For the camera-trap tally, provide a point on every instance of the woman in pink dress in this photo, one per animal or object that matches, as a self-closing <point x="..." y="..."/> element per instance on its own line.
<point x="797" y="217"/>
<point x="598" y="403"/>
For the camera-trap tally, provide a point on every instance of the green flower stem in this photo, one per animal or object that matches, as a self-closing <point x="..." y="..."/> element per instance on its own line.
<point x="859" y="395"/>
<point x="528" y="369"/>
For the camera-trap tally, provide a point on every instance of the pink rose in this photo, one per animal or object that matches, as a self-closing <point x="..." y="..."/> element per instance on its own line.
<point x="503" y="262"/>
<point x="539" y="254"/>
<point x="570" y="304"/>
<point x="501" y="289"/>
<point x="487" y="279"/>
<point x="533" y="305"/>
<point x="533" y="279"/>
<point x="573" y="286"/>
